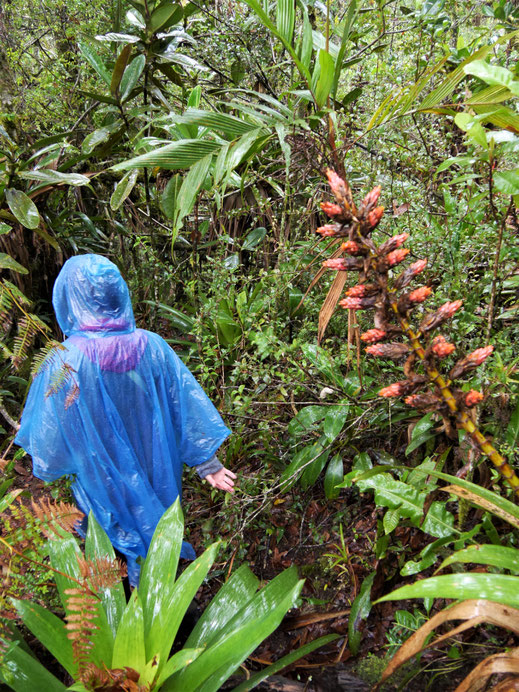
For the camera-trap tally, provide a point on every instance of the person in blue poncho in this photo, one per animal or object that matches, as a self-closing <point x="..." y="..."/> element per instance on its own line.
<point x="118" y="411"/>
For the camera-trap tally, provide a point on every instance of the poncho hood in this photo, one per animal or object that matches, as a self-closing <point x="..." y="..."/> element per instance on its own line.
<point x="90" y="295"/>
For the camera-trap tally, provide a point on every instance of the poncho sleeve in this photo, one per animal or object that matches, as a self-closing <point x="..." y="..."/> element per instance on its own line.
<point x="199" y="428"/>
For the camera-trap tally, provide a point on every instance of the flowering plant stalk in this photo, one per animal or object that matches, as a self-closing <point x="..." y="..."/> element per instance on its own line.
<point x="425" y="387"/>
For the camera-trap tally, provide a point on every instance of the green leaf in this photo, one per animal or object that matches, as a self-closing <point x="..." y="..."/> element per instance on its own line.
<point x="512" y="430"/>
<point x="304" y="457"/>
<point x="334" y="421"/>
<point x="394" y="494"/>
<point x="249" y="626"/>
<point x="119" y="68"/>
<point x="178" y="661"/>
<point x="164" y="16"/>
<point x="499" y="588"/>
<point x="234" y="595"/>
<point x="493" y="75"/>
<point x="254" y="238"/>
<point x="23" y="208"/>
<point x="131" y="76"/>
<point x="439" y="522"/>
<point x="348" y="23"/>
<point x="175" y="156"/>
<point x="95" y="61"/>
<point x="307" y="43"/>
<point x="421" y="433"/>
<point x="97" y="137"/>
<point x="285" y="18"/>
<point x="287" y="660"/>
<point x="97" y="545"/>
<point x="23" y="673"/>
<point x="102" y="98"/>
<point x="306" y="419"/>
<point x="129" y="648"/>
<point x="334" y="475"/>
<point x="391" y="520"/>
<point x="5" y="228"/>
<point x="7" y="262"/>
<point x="360" y="610"/>
<point x="123" y="189"/>
<point x="507" y="182"/>
<point x="325" y="81"/>
<point x="220" y="122"/>
<point x="495" y="555"/>
<point x="49" y="630"/>
<point x="160" y="567"/>
<point x="186" y="198"/>
<point x="47" y="175"/>
<point x="169" y="196"/>
<point x="180" y="320"/>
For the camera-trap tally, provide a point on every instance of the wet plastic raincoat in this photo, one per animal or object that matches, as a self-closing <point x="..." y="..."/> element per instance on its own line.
<point x="127" y="413"/>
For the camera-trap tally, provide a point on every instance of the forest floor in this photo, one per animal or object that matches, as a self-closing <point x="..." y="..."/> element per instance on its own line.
<point x="303" y="530"/>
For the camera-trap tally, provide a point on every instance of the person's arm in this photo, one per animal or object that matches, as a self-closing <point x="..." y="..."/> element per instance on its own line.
<point x="215" y="473"/>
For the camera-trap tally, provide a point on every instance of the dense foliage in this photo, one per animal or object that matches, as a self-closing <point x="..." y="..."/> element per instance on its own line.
<point x="188" y="142"/>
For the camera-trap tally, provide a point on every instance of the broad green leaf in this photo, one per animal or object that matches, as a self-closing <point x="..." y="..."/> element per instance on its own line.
<point x="493" y="75"/>
<point x="180" y="320"/>
<point x="47" y="175"/>
<point x="302" y="459"/>
<point x="189" y="190"/>
<point x="7" y="262"/>
<point x="159" y="570"/>
<point x="507" y="182"/>
<point x="95" y="61"/>
<point x="164" y="16"/>
<point x="102" y="98"/>
<point x="250" y="625"/>
<point x="360" y="610"/>
<point x="23" y="673"/>
<point x="169" y="196"/>
<point x="98" y="545"/>
<point x="287" y="660"/>
<point x="119" y="68"/>
<point x="395" y="494"/>
<point x="312" y="471"/>
<point x="49" y="630"/>
<point x="333" y="476"/>
<point x="131" y="76"/>
<point x="325" y="81"/>
<point x="307" y="43"/>
<point x="220" y="122"/>
<point x="5" y="228"/>
<point x="421" y="433"/>
<point x="117" y="37"/>
<point x="499" y="588"/>
<point x="123" y="189"/>
<point x="161" y="626"/>
<point x="23" y="208"/>
<point x="129" y="648"/>
<point x="306" y="419"/>
<point x="391" y="520"/>
<point x="235" y="594"/>
<point x="98" y="137"/>
<point x="254" y="238"/>
<point x="175" y="156"/>
<point x="285" y="18"/>
<point x="439" y="522"/>
<point x="495" y="555"/>
<point x="334" y="421"/>
<point x="512" y="431"/>
<point x="178" y="661"/>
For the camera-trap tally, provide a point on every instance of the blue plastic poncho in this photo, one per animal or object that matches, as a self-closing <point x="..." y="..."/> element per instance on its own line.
<point x="126" y="418"/>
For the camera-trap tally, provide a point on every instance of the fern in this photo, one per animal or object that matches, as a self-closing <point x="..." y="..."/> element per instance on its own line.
<point x="60" y="379"/>
<point x="46" y="356"/>
<point x="81" y="617"/>
<point x="52" y="516"/>
<point x="102" y="572"/>
<point x="125" y="679"/>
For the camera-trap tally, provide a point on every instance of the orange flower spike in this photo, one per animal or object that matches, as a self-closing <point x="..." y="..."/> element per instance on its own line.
<point x="337" y="184"/>
<point x="375" y="216"/>
<point x="331" y="209"/>
<point x="372" y="197"/>
<point x="352" y="248"/>
<point x="447" y="310"/>
<point x="327" y="231"/>
<point x="473" y="398"/>
<point x="351" y="303"/>
<point x="397" y="256"/>
<point x="395" y="389"/>
<point x="441" y="347"/>
<point x="480" y="355"/>
<point x="373" y="335"/>
<point x="420" y="294"/>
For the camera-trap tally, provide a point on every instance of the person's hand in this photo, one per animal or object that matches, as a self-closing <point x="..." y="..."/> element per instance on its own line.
<point x="222" y="479"/>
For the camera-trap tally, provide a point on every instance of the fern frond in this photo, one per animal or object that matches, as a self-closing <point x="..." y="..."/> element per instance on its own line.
<point x="101" y="572"/>
<point x="81" y="618"/>
<point x="46" y="356"/>
<point x="6" y="310"/>
<point x="72" y="396"/>
<point x="23" y="340"/>
<point x="124" y="679"/>
<point x="54" y="515"/>
<point x="60" y="379"/>
<point x="16" y="295"/>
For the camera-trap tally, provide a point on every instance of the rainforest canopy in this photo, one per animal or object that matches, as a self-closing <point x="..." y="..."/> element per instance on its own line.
<point x="116" y="409"/>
